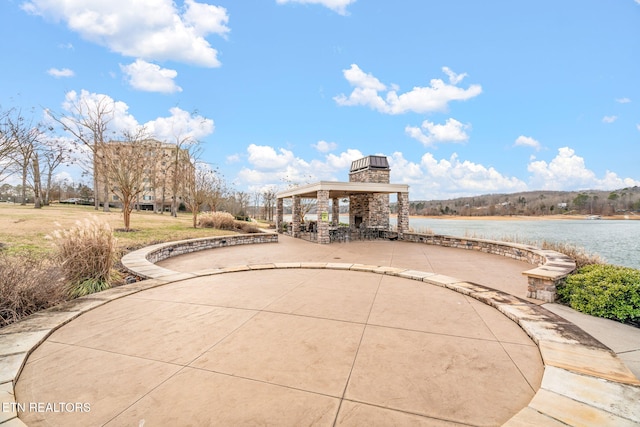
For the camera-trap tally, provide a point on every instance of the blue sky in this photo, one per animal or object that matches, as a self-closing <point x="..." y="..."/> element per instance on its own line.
<point x="464" y="97"/>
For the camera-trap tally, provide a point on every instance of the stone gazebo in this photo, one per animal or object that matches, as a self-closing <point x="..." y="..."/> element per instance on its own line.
<point x="368" y="192"/>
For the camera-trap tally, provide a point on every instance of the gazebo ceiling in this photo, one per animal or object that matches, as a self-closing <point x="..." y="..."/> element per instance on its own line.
<point x="339" y="189"/>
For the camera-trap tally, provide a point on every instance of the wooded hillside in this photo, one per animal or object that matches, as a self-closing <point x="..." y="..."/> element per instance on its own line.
<point x="589" y="202"/>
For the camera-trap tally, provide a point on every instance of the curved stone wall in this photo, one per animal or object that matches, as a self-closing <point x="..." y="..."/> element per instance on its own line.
<point x="551" y="268"/>
<point x="139" y="262"/>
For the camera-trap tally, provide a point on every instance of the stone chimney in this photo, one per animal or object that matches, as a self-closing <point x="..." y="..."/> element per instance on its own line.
<point x="369" y="210"/>
<point x="370" y="169"/>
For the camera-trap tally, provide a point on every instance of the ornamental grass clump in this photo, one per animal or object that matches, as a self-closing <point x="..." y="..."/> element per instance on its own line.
<point x="86" y="254"/>
<point x="578" y="254"/>
<point x="246" y="227"/>
<point x="608" y="291"/>
<point x="28" y="284"/>
<point x="219" y="220"/>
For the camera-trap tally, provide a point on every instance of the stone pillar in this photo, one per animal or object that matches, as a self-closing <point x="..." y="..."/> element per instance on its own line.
<point x="323" y="216"/>
<point x="403" y="214"/>
<point x="295" y="216"/>
<point x="378" y="211"/>
<point x="335" y="212"/>
<point x="279" y="215"/>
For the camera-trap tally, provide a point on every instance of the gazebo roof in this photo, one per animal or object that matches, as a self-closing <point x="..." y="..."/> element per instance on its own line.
<point x="339" y="189"/>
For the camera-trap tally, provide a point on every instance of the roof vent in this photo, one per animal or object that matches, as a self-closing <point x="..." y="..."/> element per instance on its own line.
<point x="370" y="162"/>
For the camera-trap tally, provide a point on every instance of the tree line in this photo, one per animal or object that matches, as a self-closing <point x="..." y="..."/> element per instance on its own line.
<point x="535" y="203"/>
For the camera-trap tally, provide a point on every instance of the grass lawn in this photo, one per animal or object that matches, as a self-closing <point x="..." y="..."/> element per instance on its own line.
<point x="23" y="228"/>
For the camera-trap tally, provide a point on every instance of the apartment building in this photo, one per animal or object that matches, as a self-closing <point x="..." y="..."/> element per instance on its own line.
<point x="154" y="171"/>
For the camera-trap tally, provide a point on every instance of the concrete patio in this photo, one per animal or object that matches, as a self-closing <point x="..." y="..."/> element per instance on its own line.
<point x="360" y="333"/>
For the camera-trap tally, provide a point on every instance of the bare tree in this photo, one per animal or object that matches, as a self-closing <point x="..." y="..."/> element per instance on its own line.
<point x="217" y="191"/>
<point x="125" y="168"/>
<point x="7" y="144"/>
<point x="54" y="152"/>
<point x="159" y="178"/>
<point x="186" y="147"/>
<point x="25" y="136"/>
<point x="306" y="205"/>
<point x="269" y="199"/>
<point x="203" y="185"/>
<point x="87" y="121"/>
<point x="242" y="199"/>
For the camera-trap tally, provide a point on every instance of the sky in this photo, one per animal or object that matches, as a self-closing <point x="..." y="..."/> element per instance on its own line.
<point x="463" y="97"/>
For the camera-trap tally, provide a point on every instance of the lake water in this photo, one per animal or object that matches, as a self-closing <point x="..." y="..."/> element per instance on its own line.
<point x="616" y="241"/>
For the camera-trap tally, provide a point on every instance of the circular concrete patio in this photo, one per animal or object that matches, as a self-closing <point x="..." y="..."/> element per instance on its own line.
<point x="373" y="333"/>
<point x="286" y="347"/>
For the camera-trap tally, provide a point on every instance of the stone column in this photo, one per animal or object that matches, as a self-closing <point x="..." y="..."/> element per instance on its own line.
<point x="295" y="216"/>
<point x="323" y="216"/>
<point x="369" y="211"/>
<point x="279" y="215"/>
<point x="403" y="214"/>
<point x="335" y="214"/>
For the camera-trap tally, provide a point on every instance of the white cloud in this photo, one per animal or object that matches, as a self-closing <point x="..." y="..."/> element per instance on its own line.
<point x="342" y="162"/>
<point x="280" y="167"/>
<point x="338" y="6"/>
<point x="623" y="100"/>
<point x="205" y="19"/>
<point x="63" y="177"/>
<point x="148" y="77"/>
<point x="527" y="141"/>
<point x="567" y="171"/>
<point x="638" y="125"/>
<point x="180" y="125"/>
<point x="454" y="78"/>
<point x="449" y="178"/>
<point x="271" y="167"/>
<point x="117" y="112"/>
<point x="324" y="146"/>
<point x="429" y="178"/>
<point x="264" y="157"/>
<point x="431" y="133"/>
<point x="148" y="29"/>
<point x="609" y="119"/>
<point x="57" y="73"/>
<point x="435" y="97"/>
<point x="233" y="158"/>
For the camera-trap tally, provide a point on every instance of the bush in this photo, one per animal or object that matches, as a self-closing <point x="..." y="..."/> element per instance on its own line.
<point x="246" y="227"/>
<point x="28" y="285"/>
<point x="219" y="220"/>
<point x="86" y="254"/>
<point x="606" y="291"/>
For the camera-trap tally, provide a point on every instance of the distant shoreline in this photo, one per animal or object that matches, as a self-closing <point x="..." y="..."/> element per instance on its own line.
<point x="528" y="218"/>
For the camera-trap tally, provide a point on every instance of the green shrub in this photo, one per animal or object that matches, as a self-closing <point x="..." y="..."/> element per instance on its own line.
<point x="86" y="254"/>
<point x="607" y="291"/>
<point x="219" y="220"/>
<point x="28" y="285"/>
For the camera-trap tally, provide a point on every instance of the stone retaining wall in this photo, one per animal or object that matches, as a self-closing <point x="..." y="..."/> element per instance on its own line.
<point x="138" y="262"/>
<point x="552" y="267"/>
